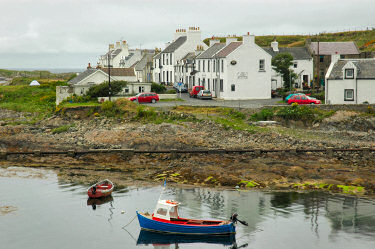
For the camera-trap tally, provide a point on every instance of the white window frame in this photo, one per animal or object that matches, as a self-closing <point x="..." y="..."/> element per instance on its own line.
<point x="349" y="76"/>
<point x="346" y="98"/>
<point x="262" y="64"/>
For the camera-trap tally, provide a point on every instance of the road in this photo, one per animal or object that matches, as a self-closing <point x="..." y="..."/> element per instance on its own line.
<point x="218" y="102"/>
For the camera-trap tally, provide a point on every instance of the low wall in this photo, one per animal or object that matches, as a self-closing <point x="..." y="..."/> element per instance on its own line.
<point x="347" y="107"/>
<point x="168" y="96"/>
<point x="102" y="99"/>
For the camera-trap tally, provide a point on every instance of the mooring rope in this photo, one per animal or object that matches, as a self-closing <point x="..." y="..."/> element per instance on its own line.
<point x="129" y="222"/>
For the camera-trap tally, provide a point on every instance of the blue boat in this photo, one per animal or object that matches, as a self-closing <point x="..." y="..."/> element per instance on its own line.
<point x="165" y="219"/>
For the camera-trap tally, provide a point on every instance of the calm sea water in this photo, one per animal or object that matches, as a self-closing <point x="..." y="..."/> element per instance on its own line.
<point x="48" y="213"/>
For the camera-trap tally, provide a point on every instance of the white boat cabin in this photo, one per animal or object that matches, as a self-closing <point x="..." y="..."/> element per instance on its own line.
<point x="166" y="210"/>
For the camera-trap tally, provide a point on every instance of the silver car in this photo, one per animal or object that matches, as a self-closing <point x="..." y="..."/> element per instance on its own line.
<point x="204" y="94"/>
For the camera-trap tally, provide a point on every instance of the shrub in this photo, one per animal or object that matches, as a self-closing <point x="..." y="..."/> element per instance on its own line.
<point x="61" y="129"/>
<point x="265" y="114"/>
<point x="145" y="112"/>
<point x="171" y="91"/>
<point x="102" y="90"/>
<point x="296" y="112"/>
<point x="158" y="88"/>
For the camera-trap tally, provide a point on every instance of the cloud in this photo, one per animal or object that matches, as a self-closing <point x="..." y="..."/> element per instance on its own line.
<point x="66" y="27"/>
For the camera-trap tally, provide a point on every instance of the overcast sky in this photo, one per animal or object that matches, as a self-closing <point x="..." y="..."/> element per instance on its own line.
<point x="71" y="33"/>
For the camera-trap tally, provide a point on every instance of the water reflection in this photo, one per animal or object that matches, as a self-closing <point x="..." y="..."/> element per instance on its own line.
<point x="276" y="219"/>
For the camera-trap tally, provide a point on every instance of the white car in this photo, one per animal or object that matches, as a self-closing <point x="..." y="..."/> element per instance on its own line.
<point x="204" y="94"/>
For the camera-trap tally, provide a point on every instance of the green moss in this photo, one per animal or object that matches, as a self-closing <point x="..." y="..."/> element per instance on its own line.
<point x="248" y="184"/>
<point x="61" y="129"/>
<point x="351" y="189"/>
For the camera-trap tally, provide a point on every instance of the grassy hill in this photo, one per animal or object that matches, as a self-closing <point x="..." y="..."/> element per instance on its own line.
<point x="365" y="40"/>
<point x="25" y="77"/>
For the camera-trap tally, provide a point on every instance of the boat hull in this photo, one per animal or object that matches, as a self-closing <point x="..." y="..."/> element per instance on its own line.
<point x="158" y="226"/>
<point x="103" y="189"/>
<point x="147" y="237"/>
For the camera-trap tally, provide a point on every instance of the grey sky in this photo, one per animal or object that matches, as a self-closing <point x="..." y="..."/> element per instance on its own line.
<point x="70" y="33"/>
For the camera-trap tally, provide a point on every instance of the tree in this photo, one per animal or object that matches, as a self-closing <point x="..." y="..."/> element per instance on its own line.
<point x="102" y="89"/>
<point x="281" y="63"/>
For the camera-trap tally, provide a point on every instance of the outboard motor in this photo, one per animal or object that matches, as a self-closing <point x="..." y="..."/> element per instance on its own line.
<point x="234" y="219"/>
<point x="94" y="190"/>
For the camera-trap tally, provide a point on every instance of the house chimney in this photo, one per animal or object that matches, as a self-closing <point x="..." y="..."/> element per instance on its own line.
<point x="89" y="66"/>
<point x="335" y="57"/>
<point x="117" y="45"/>
<point x="111" y="46"/>
<point x="213" y="41"/>
<point x="194" y="34"/>
<point x="248" y="39"/>
<point x="179" y="33"/>
<point x="275" y="46"/>
<point x="229" y="40"/>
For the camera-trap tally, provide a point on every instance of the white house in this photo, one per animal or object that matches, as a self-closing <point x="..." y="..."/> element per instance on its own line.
<point x="120" y="56"/>
<point x="235" y="70"/>
<point x="303" y="65"/>
<point x="94" y="76"/>
<point x="350" y="81"/>
<point x="184" y="43"/>
<point x="143" y="68"/>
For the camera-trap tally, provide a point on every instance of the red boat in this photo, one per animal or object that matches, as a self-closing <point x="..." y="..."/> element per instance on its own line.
<point x="101" y="189"/>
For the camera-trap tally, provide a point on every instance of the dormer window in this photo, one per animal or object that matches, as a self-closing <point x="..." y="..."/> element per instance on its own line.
<point x="349" y="73"/>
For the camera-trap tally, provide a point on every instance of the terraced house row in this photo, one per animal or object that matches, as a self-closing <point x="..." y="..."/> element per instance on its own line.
<point x="231" y="70"/>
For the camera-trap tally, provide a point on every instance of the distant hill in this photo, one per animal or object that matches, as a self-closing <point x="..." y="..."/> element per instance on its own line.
<point x="365" y="40"/>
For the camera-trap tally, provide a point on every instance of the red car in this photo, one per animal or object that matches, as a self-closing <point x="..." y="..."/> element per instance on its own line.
<point x="303" y="100"/>
<point x="145" y="97"/>
<point x="195" y="91"/>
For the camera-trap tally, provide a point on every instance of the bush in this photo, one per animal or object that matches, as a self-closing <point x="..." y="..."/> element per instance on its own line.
<point x="265" y="114"/>
<point x="172" y="91"/>
<point x="102" y="90"/>
<point x="296" y="112"/>
<point x="145" y="112"/>
<point x="61" y="129"/>
<point x="158" y="88"/>
<point x="320" y="95"/>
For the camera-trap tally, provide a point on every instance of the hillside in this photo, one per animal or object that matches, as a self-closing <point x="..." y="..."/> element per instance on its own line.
<point x="365" y="40"/>
<point x="25" y="77"/>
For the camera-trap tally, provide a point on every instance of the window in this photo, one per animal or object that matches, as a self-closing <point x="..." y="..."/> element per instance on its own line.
<point x="170" y="59"/>
<point x="233" y="87"/>
<point x="222" y="66"/>
<point x="349" y="73"/>
<point x="349" y="95"/>
<point x="162" y="211"/>
<point x="221" y="86"/>
<point x="208" y="84"/>
<point x="199" y="65"/>
<point x="214" y="65"/>
<point x="170" y="73"/>
<point x="295" y="65"/>
<point x="321" y="59"/>
<point x="167" y="76"/>
<point x="141" y="89"/>
<point x="163" y="59"/>
<point x="261" y="65"/>
<point x="213" y="84"/>
<point x="204" y="82"/>
<point x="126" y="90"/>
<point x="208" y="66"/>
<point x="204" y="63"/>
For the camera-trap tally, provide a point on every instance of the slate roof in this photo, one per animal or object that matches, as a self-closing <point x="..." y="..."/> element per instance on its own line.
<point x="365" y="69"/>
<point x="143" y="62"/>
<point x="81" y="76"/>
<point x="158" y="56"/>
<point x="116" y="52"/>
<point x="129" y="56"/>
<point x="228" y="49"/>
<point x="299" y="53"/>
<point x="211" y="51"/>
<point x="175" y="45"/>
<point x="328" y="48"/>
<point x="120" y="71"/>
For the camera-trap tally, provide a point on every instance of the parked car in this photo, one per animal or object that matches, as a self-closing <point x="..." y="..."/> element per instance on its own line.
<point x="204" y="94"/>
<point x="196" y="89"/>
<point x="303" y="100"/>
<point x="145" y="97"/>
<point x="183" y="87"/>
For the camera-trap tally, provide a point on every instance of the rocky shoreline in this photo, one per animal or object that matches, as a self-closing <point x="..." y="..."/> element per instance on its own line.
<point x="343" y="172"/>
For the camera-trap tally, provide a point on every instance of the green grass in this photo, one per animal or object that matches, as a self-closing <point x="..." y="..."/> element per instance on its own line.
<point x="62" y="129"/>
<point x="172" y="100"/>
<point x="365" y="40"/>
<point x="67" y="104"/>
<point x="24" y="98"/>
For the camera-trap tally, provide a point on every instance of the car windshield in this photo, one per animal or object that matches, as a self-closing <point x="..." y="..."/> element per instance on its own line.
<point x="139" y="94"/>
<point x="206" y="91"/>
